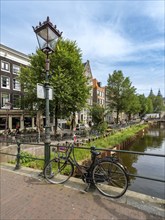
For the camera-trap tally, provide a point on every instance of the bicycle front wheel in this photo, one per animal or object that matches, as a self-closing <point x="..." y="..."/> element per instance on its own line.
<point x="110" y="179"/>
<point x="58" y="170"/>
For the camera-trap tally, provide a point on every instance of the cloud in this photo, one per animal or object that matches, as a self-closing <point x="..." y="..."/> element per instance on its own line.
<point x="121" y="35"/>
<point x="101" y="41"/>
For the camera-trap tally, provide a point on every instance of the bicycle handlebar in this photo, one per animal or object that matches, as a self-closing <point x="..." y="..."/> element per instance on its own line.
<point x="93" y="148"/>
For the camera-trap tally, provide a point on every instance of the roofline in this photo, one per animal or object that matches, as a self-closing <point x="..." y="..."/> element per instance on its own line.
<point x="8" y="49"/>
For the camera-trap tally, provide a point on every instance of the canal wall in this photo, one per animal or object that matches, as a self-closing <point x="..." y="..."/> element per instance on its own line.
<point x="126" y="143"/>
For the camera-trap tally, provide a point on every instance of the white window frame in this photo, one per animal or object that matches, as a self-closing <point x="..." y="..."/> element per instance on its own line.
<point x="16" y="69"/>
<point x="16" y="85"/>
<point x="7" y="99"/>
<point x="5" y="66"/>
<point x="14" y="101"/>
<point x="8" y="84"/>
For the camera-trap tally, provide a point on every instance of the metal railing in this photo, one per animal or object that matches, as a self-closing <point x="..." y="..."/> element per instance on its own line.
<point x="19" y="156"/>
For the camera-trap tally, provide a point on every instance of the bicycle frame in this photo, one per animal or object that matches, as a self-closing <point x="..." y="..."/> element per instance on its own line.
<point x="70" y="155"/>
<point x="106" y="174"/>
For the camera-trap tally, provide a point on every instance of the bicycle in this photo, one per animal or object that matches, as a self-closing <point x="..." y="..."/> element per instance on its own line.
<point x="107" y="174"/>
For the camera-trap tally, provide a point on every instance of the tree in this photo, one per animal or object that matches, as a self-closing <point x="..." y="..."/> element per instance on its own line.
<point x="143" y="105"/>
<point x="133" y="105"/>
<point x="158" y="103"/>
<point x="98" y="114"/>
<point x="70" y="90"/>
<point x="119" y="92"/>
<point x="149" y="105"/>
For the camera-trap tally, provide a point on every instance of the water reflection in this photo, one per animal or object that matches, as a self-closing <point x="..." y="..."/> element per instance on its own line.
<point x="154" y="167"/>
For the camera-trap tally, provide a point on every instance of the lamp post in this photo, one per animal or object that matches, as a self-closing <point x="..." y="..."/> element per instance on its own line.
<point x="47" y="37"/>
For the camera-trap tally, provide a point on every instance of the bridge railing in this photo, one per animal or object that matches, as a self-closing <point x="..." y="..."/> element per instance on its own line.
<point x="18" y="156"/>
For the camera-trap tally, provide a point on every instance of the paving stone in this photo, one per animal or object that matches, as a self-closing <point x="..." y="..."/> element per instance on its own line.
<point x="28" y="198"/>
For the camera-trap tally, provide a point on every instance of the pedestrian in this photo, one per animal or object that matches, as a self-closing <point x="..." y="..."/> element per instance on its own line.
<point x="17" y="130"/>
<point x="74" y="138"/>
<point x="9" y="131"/>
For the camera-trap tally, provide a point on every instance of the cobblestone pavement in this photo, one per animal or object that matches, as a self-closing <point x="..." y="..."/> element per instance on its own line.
<point x="24" y="197"/>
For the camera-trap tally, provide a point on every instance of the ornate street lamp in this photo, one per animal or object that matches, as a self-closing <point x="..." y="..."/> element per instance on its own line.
<point x="47" y="36"/>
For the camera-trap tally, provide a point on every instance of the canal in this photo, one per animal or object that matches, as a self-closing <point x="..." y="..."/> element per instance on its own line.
<point x="154" y="167"/>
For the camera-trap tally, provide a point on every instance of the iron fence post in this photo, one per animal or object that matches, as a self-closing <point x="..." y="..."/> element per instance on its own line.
<point x="18" y="166"/>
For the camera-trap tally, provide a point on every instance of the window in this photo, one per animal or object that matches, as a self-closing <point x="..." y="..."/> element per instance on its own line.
<point x="2" y="123"/>
<point x="5" y="98"/>
<point x="5" y="82"/>
<point x="16" y="69"/>
<point x="16" y="101"/>
<point x="16" y="85"/>
<point x="5" y="66"/>
<point x="27" y="122"/>
<point x="15" y="122"/>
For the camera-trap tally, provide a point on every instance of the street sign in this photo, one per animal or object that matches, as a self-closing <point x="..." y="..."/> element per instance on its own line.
<point x="50" y="93"/>
<point x="41" y="92"/>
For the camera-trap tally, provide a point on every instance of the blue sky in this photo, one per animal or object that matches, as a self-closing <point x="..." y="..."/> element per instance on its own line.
<point x="113" y="35"/>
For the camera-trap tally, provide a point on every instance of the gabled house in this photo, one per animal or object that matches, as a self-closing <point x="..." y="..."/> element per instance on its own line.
<point x="84" y="115"/>
<point x="98" y="93"/>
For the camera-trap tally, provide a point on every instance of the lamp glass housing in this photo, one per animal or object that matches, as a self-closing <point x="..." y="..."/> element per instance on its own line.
<point x="47" y="36"/>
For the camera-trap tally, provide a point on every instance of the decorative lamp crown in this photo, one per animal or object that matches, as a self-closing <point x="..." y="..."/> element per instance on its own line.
<point x="47" y="36"/>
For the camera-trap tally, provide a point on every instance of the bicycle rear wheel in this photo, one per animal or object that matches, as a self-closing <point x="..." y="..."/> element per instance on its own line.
<point x="110" y="179"/>
<point x="58" y="170"/>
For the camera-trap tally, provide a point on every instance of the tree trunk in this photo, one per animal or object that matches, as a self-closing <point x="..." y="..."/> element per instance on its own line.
<point x="73" y="121"/>
<point x="129" y="116"/>
<point x="117" y="116"/>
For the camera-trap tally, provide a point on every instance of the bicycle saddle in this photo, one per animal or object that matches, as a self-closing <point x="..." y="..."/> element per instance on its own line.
<point x="94" y="152"/>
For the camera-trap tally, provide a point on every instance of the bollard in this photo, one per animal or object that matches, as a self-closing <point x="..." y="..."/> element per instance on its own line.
<point x="18" y="166"/>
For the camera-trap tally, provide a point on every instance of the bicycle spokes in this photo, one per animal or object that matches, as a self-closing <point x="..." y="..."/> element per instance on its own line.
<point x="110" y="179"/>
<point x="61" y="170"/>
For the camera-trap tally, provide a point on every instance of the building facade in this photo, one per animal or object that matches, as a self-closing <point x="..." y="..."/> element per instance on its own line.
<point x="11" y="115"/>
<point x="98" y="93"/>
<point x="84" y="115"/>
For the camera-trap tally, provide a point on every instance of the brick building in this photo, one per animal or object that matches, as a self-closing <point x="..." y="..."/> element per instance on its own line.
<point x="11" y="114"/>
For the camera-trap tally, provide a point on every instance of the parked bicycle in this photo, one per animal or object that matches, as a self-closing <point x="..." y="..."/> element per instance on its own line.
<point x="106" y="174"/>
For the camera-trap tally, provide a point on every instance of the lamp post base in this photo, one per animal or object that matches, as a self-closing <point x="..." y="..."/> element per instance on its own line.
<point x="47" y="152"/>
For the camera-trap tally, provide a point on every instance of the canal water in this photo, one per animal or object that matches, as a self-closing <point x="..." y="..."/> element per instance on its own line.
<point x="154" y="167"/>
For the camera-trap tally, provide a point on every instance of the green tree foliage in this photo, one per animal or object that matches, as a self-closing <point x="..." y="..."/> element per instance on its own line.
<point x="158" y="104"/>
<point x="133" y="105"/>
<point x="29" y="77"/>
<point x="149" y="105"/>
<point x="69" y="83"/>
<point x="143" y="105"/>
<point x="70" y="90"/>
<point x="120" y="93"/>
<point x="98" y="114"/>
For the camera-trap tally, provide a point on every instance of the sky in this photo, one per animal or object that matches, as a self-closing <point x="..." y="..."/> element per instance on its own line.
<point x="112" y="34"/>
